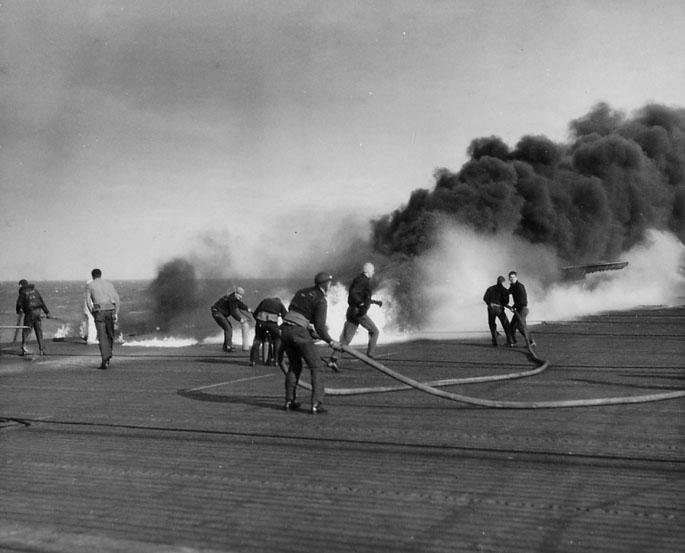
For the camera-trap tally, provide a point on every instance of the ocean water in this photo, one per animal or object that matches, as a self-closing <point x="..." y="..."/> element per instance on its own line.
<point x="141" y="325"/>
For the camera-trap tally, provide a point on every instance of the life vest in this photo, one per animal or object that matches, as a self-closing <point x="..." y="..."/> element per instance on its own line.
<point x="32" y="300"/>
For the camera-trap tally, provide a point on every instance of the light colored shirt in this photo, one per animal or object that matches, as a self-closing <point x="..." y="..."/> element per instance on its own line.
<point x="101" y="296"/>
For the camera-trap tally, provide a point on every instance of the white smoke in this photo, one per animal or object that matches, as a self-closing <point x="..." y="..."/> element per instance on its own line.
<point x="464" y="264"/>
<point x="299" y="242"/>
<point x="654" y="277"/>
<point x="457" y="272"/>
<point x="385" y="317"/>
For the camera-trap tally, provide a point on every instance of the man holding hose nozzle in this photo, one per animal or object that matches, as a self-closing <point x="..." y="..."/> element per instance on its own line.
<point x="304" y="323"/>
<point x="518" y="322"/>
<point x="230" y="306"/>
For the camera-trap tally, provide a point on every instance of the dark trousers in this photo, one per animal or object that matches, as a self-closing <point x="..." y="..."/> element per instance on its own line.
<point x="104" y="324"/>
<point x="518" y="322"/>
<point x="32" y="319"/>
<point x="496" y="312"/>
<point x="266" y="332"/>
<point x="298" y="345"/>
<point x="225" y="324"/>
<point x="350" y="329"/>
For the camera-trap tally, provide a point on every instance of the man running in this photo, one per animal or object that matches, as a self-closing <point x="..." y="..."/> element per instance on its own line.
<point x="358" y="302"/>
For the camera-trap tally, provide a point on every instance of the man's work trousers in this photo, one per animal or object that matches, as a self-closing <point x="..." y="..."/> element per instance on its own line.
<point x="269" y="334"/>
<point x="225" y="324"/>
<point x="350" y="329"/>
<point x="32" y="319"/>
<point x="497" y="312"/>
<point x="298" y="344"/>
<point x="104" y="324"/>
<point x="518" y="322"/>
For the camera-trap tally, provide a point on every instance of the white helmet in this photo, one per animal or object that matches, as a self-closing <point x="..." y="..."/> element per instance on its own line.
<point x="368" y="269"/>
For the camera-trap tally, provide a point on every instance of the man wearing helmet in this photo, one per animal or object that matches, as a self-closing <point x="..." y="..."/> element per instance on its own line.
<point x="358" y="302"/>
<point x="307" y="312"/>
<point x="228" y="306"/>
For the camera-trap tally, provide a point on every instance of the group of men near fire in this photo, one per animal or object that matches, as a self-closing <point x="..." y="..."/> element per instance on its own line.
<point x="496" y="298"/>
<point x="301" y="324"/>
<point x="304" y="322"/>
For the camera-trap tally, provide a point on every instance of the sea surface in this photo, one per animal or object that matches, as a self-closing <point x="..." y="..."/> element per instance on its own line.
<point x="140" y="319"/>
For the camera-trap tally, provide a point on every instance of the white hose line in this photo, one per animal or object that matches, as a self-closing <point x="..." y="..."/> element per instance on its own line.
<point x="434" y="383"/>
<point x="510" y="404"/>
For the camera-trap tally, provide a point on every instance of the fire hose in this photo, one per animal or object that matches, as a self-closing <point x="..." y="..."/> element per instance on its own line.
<point x="432" y="387"/>
<point x="426" y="387"/>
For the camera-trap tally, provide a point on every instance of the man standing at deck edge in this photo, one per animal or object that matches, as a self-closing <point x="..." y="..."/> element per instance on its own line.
<point x="103" y="302"/>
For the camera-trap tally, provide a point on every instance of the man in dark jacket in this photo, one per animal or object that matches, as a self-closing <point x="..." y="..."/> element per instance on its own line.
<point x="358" y="302"/>
<point x="31" y="303"/>
<point x="518" y="322"/>
<point x="496" y="297"/>
<point x="267" y="332"/>
<point x="230" y="306"/>
<point x="306" y="315"/>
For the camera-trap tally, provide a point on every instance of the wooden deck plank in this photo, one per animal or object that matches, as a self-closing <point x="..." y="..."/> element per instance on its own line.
<point x="129" y="459"/>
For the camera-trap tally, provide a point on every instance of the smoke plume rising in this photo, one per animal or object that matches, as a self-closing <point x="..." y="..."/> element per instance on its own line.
<point x="615" y="191"/>
<point x="455" y="274"/>
<point x="174" y="291"/>
<point x="588" y="201"/>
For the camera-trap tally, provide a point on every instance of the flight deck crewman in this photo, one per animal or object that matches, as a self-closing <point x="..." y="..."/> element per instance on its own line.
<point x="306" y="314"/>
<point x="227" y="307"/>
<point x="267" y="331"/>
<point x="31" y="303"/>
<point x="359" y="301"/>
<point x="496" y="297"/>
<point x="104" y="303"/>
<point x="518" y="322"/>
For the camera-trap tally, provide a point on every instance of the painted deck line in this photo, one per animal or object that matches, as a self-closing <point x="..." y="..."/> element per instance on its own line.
<point x="229" y="382"/>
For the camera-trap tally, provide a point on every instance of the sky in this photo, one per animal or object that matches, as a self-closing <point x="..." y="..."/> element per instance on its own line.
<point x="263" y="134"/>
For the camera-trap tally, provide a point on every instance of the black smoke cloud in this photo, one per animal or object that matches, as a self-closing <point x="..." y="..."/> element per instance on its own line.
<point x="220" y="259"/>
<point x="588" y="200"/>
<point x="175" y="291"/>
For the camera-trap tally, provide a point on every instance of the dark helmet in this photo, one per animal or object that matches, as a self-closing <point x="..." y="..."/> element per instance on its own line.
<point x="322" y="278"/>
<point x="23" y="282"/>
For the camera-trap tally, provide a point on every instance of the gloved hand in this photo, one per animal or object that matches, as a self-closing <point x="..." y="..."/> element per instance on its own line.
<point x="337" y="346"/>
